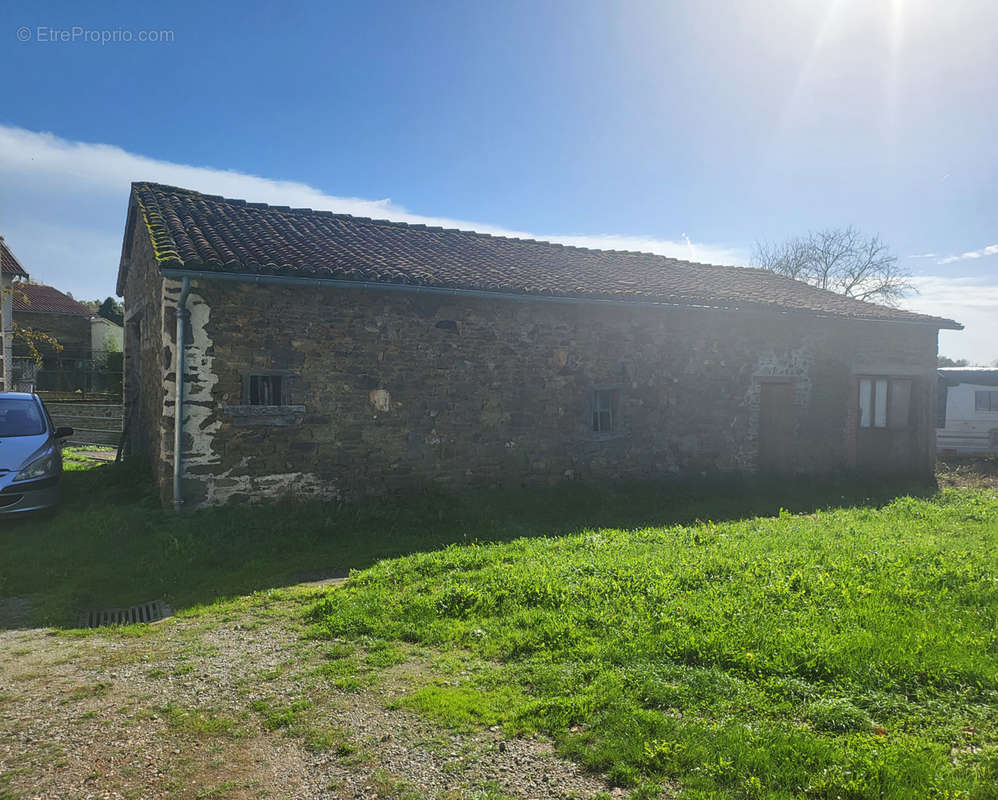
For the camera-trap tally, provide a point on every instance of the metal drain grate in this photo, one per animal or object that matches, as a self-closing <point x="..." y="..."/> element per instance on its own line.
<point x="147" y="612"/>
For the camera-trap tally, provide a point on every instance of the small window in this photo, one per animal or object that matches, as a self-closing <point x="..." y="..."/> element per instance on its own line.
<point x="885" y="403"/>
<point x="604" y="410"/>
<point x="266" y="390"/>
<point x="986" y="401"/>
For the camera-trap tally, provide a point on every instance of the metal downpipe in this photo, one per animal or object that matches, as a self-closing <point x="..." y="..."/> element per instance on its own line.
<point x="178" y="406"/>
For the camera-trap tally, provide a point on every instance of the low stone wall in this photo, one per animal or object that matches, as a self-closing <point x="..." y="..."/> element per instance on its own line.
<point x="92" y="423"/>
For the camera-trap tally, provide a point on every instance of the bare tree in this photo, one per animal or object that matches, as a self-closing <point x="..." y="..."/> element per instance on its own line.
<point x="841" y="260"/>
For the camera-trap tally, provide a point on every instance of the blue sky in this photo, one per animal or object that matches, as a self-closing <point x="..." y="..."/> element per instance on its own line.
<point x="688" y="128"/>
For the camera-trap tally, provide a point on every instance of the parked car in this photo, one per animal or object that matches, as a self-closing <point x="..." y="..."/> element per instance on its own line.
<point x="30" y="454"/>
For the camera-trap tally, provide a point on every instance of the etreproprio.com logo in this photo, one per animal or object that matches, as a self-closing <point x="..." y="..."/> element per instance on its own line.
<point x="78" y="34"/>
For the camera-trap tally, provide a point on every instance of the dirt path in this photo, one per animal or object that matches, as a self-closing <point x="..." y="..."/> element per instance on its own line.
<point x="235" y="704"/>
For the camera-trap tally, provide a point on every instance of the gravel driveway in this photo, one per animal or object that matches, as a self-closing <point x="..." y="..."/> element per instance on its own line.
<point x="228" y="704"/>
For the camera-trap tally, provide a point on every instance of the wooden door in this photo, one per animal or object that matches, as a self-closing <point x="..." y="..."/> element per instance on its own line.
<point x="776" y="428"/>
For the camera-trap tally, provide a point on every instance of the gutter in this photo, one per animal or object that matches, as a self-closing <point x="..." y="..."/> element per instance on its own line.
<point x="178" y="406"/>
<point x="376" y="286"/>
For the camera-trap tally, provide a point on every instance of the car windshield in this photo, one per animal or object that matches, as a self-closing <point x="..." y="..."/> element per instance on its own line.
<point x="20" y="417"/>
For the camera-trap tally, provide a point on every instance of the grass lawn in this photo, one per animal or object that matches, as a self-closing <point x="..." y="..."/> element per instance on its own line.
<point x="850" y="653"/>
<point x="111" y="544"/>
<point x="695" y="637"/>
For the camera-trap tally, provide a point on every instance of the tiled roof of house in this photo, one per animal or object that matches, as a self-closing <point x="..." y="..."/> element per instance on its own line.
<point x="9" y="265"/>
<point x="194" y="231"/>
<point x="47" y="299"/>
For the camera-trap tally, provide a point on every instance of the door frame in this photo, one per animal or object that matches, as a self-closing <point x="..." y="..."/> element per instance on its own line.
<point x="791" y="466"/>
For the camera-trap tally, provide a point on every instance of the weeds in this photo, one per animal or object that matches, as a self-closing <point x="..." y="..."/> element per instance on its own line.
<point x="196" y="722"/>
<point x="328" y="740"/>
<point x="98" y="690"/>
<point x="275" y="717"/>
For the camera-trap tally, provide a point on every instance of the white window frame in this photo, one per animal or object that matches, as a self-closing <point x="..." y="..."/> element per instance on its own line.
<point x="875" y="398"/>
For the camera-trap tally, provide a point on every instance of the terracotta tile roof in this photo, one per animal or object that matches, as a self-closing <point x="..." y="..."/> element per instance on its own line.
<point x="47" y="299"/>
<point x="9" y="265"/>
<point x="194" y="231"/>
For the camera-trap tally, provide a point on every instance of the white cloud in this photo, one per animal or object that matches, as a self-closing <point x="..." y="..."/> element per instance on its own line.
<point x="63" y="208"/>
<point x="990" y="250"/>
<point x="63" y="203"/>
<point x="970" y="301"/>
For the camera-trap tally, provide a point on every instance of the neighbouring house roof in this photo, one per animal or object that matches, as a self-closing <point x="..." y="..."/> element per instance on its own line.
<point x="199" y="232"/>
<point x="47" y="299"/>
<point x="9" y="265"/>
<point x="979" y="376"/>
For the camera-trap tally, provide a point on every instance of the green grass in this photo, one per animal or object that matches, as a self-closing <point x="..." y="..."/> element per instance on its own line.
<point x="95" y="690"/>
<point x="844" y="647"/>
<point x="329" y="740"/>
<point x="199" y="723"/>
<point x="848" y="653"/>
<point x="111" y="544"/>
<point x="463" y="707"/>
<point x="5" y="792"/>
<point x="217" y="792"/>
<point x="273" y="717"/>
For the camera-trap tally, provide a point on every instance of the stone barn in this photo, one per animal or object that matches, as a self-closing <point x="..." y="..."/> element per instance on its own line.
<point x="328" y="356"/>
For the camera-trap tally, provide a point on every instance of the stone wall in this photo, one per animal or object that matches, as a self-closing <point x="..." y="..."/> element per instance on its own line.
<point x="146" y="347"/>
<point x="393" y="391"/>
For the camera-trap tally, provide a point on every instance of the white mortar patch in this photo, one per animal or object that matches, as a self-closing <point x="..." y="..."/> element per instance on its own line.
<point x="201" y="380"/>
<point x="200" y="429"/>
<point x="306" y="485"/>
<point x="380" y="399"/>
<point x="199" y="368"/>
<point x="170" y="294"/>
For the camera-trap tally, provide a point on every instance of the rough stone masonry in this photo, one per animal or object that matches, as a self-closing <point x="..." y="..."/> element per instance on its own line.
<point x="372" y="390"/>
<point x="389" y="392"/>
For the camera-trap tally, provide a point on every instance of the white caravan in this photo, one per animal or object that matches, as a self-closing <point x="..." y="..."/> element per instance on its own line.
<point x="968" y="411"/>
